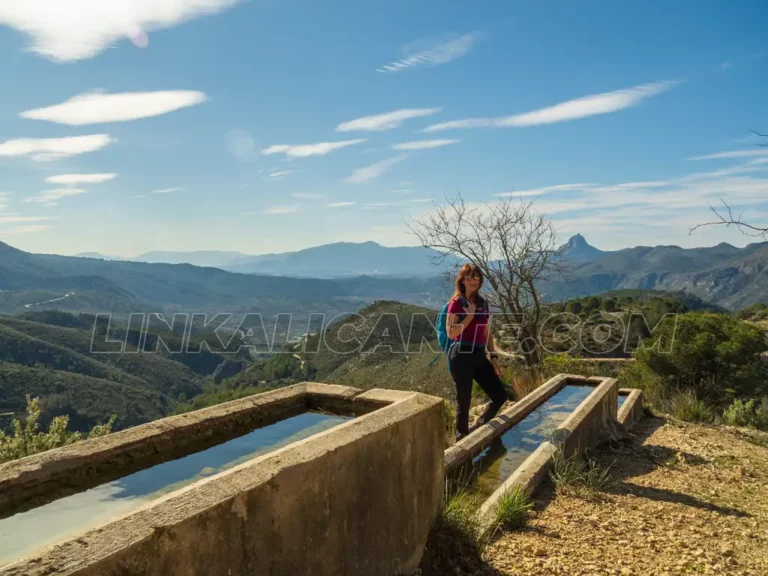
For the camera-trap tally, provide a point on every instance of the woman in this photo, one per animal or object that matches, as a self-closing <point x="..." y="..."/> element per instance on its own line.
<point x="468" y="325"/>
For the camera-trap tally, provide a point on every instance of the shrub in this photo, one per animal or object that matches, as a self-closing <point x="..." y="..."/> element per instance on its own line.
<point x="747" y="414"/>
<point x="579" y="476"/>
<point x="685" y="406"/>
<point x="455" y="544"/>
<point x="27" y="440"/>
<point x="512" y="509"/>
<point x="562" y="364"/>
<point x="706" y="354"/>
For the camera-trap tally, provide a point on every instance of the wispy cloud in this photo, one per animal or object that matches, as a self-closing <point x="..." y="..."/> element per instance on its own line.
<point x="98" y="108"/>
<point x="748" y="153"/>
<point x="168" y="190"/>
<point x="341" y="204"/>
<point x="373" y="171"/>
<point x="308" y="196"/>
<point x="279" y="174"/>
<point x="437" y="53"/>
<point x="386" y="121"/>
<point x="304" y="150"/>
<point x="423" y="144"/>
<point x="80" y="178"/>
<point x="52" y="196"/>
<point x="46" y="149"/>
<point x="726" y="65"/>
<point x="419" y="200"/>
<point x="20" y="219"/>
<point x="24" y="229"/>
<point x="545" y="190"/>
<point x="281" y="209"/>
<point x="67" y="31"/>
<point x="584" y="107"/>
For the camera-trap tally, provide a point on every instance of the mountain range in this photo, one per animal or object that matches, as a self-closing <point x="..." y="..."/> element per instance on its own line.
<point x="345" y="275"/>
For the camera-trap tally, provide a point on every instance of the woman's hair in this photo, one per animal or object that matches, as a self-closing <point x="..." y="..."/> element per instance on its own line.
<point x="467" y="270"/>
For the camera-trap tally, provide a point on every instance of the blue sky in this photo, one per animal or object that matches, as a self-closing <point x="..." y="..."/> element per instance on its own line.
<point x="264" y="126"/>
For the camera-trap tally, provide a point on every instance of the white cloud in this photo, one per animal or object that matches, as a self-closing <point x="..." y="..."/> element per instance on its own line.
<point x="51" y="196"/>
<point x="304" y="150"/>
<point x="749" y="153"/>
<point x="80" y="178"/>
<point x="386" y="121"/>
<point x="308" y="196"/>
<point x="77" y="29"/>
<point x="16" y="219"/>
<point x="341" y="204"/>
<point x="26" y="229"/>
<point x="419" y="200"/>
<point x="545" y="190"/>
<point x="279" y="174"/>
<point x="97" y="108"/>
<point x="281" y="209"/>
<point x="368" y="173"/>
<point x="726" y="65"/>
<point x="423" y="144"/>
<point x="167" y="190"/>
<point x="438" y="53"/>
<point x="45" y="149"/>
<point x="584" y="107"/>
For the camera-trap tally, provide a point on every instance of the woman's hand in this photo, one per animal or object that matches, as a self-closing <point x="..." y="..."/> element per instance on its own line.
<point x="496" y="367"/>
<point x="470" y="310"/>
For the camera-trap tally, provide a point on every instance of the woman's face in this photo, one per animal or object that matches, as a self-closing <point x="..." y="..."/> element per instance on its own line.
<point x="472" y="283"/>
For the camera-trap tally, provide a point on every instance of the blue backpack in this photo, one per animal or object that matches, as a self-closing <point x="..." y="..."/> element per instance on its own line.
<point x="442" y="331"/>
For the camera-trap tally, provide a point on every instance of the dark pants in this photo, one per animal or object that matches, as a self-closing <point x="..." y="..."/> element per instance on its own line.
<point x="467" y="364"/>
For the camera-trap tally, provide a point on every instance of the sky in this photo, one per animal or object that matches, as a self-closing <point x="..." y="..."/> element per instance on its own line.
<point x="274" y="125"/>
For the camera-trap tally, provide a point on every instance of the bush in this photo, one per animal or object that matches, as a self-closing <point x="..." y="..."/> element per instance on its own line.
<point x="512" y="509"/>
<point x="685" y="406"/>
<point x="562" y="364"/>
<point x="579" y="476"/>
<point x="746" y="414"/>
<point x="707" y="354"/>
<point x="455" y="544"/>
<point x="27" y="440"/>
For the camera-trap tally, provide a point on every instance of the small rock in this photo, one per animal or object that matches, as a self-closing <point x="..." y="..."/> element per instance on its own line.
<point x="540" y="552"/>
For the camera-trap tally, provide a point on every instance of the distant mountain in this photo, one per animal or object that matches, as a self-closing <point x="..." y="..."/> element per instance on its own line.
<point x="578" y="250"/>
<point x="41" y="281"/>
<point x="723" y="274"/>
<point x="213" y="258"/>
<point x="343" y="259"/>
<point x="96" y="255"/>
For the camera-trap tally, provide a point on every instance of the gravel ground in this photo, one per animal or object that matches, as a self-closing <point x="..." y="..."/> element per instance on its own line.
<point x="684" y="499"/>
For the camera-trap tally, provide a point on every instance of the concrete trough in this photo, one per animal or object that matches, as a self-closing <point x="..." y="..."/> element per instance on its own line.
<point x="359" y="498"/>
<point x="593" y="420"/>
<point x="631" y="410"/>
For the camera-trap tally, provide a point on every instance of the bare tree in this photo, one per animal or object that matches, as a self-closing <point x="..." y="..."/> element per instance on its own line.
<point x="724" y="215"/>
<point x="514" y="246"/>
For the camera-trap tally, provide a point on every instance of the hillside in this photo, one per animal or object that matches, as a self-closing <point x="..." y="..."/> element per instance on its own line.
<point x="109" y="286"/>
<point x="725" y="275"/>
<point x="88" y="401"/>
<point x="681" y="499"/>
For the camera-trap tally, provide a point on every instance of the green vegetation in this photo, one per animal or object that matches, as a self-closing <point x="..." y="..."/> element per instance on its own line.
<point x="747" y="414"/>
<point x="27" y="438"/>
<point x="455" y="544"/>
<point x="756" y="312"/>
<point x="579" y="476"/>
<point x="213" y="396"/>
<point x="512" y="509"/>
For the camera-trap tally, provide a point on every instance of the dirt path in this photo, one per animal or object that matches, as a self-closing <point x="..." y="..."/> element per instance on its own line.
<point x="685" y="499"/>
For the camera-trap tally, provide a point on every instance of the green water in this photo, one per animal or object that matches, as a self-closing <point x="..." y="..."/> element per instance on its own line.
<point x="29" y="531"/>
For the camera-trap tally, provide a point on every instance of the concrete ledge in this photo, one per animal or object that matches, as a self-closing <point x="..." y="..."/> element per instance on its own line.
<point x="37" y="479"/>
<point x="632" y="410"/>
<point x="293" y="511"/>
<point x="594" y="418"/>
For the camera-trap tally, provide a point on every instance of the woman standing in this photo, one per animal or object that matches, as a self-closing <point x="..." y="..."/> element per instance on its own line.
<point x="468" y="325"/>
